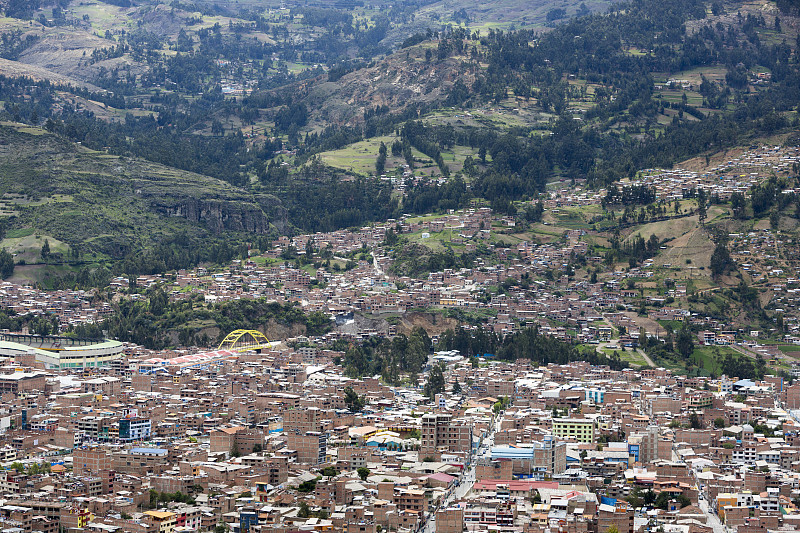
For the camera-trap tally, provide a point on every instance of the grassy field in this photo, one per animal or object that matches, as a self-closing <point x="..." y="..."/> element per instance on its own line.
<point x="631" y="357"/>
<point x="667" y="229"/>
<point x="360" y="157"/>
<point x="574" y="217"/>
<point x="102" y="16"/>
<point x="792" y="350"/>
<point x="707" y="357"/>
<point x="28" y="247"/>
<point x="437" y="241"/>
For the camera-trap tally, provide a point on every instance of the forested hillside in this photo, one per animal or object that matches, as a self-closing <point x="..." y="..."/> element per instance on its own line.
<point x="333" y="117"/>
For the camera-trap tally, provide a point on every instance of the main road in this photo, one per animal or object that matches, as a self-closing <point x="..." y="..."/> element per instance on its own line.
<point x="466" y="480"/>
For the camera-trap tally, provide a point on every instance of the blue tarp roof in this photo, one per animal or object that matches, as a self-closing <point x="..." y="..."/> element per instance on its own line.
<point x="507" y="452"/>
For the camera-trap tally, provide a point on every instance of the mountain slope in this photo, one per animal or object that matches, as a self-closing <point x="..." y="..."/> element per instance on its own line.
<point x="115" y="205"/>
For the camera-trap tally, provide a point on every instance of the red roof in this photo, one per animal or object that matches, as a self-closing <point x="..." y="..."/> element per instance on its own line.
<point x="491" y="484"/>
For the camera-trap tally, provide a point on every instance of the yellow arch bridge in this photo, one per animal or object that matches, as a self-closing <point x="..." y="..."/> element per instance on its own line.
<point x="245" y="340"/>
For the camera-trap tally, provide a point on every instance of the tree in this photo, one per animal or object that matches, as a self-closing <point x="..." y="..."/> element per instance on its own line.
<point x="380" y="162"/>
<point x="235" y="450"/>
<point x="363" y="472"/>
<point x="435" y="384"/>
<point x="456" y="387"/>
<point x="153" y="498"/>
<point x="6" y="264"/>
<point x="739" y="204"/>
<point x="45" y="252"/>
<point x="353" y="401"/>
<point x="307" y="486"/>
<point x="391" y="238"/>
<point x="774" y="219"/>
<point x="701" y="205"/>
<point x="635" y="500"/>
<point x="721" y="262"/>
<point x="329" y="471"/>
<point x="158" y="301"/>
<point x="694" y="421"/>
<point x="719" y="422"/>
<point x="303" y="510"/>
<point x="684" y="342"/>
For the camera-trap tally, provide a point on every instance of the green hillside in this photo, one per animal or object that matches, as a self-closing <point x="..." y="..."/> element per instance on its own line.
<point x="114" y="205"/>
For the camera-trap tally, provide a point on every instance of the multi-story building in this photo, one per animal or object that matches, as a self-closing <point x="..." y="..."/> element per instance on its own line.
<point x="537" y="460"/>
<point x="94" y="427"/>
<point x="579" y="429"/>
<point x="245" y="440"/>
<point x="90" y="461"/>
<point x="134" y="429"/>
<point x="440" y="433"/>
<point x="484" y="515"/>
<point x="164" y="520"/>
<point x="619" y="515"/>
<point x="646" y="446"/>
<point x="311" y="447"/>
<point x="450" y="520"/>
<point x="22" y="382"/>
<point x="302" y="420"/>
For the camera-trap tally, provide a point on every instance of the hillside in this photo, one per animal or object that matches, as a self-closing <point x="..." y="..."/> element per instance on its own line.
<point x="350" y="114"/>
<point x="398" y="81"/>
<point x="115" y="205"/>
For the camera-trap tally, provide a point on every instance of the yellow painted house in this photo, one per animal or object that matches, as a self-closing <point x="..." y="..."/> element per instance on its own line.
<point x="724" y="500"/>
<point x="165" y="520"/>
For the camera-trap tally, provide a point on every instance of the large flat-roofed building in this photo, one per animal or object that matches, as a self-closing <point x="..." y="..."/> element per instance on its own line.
<point x="302" y="420"/>
<point x="165" y="521"/>
<point x="22" y="382"/>
<point x="91" y="461"/>
<point x="57" y="353"/>
<point x="579" y="429"/>
<point x="536" y="460"/>
<point x="242" y="438"/>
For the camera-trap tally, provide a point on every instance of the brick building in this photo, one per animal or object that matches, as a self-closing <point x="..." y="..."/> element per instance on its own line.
<point x="245" y="440"/>
<point x="311" y="446"/>
<point x="441" y="433"/>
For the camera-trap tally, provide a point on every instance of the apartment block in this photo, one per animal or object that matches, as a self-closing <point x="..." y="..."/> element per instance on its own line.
<point x="440" y="433"/>
<point x="450" y="520"/>
<point x="245" y="440"/>
<point x="579" y="429"/>
<point x="303" y="420"/>
<point x="134" y="429"/>
<point x="311" y="447"/>
<point x="90" y="461"/>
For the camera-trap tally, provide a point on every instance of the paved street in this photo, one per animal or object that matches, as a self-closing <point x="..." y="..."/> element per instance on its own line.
<point x="467" y="479"/>
<point x="713" y="519"/>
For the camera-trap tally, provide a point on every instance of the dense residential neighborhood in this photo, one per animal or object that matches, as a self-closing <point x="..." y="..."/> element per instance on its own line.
<point x="268" y="442"/>
<point x="399" y="266"/>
